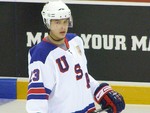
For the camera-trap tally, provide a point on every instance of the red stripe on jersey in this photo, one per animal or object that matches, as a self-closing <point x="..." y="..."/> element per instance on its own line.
<point x="37" y="90"/>
<point x="66" y="42"/>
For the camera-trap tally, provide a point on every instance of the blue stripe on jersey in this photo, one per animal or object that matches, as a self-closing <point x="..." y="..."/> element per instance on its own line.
<point x="41" y="97"/>
<point x="40" y="51"/>
<point x="35" y="85"/>
<point x="92" y="105"/>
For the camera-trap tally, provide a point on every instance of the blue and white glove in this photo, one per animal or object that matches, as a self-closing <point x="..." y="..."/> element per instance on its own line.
<point x="105" y="96"/>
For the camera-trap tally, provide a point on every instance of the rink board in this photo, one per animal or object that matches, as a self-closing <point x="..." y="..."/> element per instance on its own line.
<point x="134" y="93"/>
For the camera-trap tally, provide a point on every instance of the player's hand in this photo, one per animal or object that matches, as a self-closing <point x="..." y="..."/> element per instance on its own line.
<point x="114" y="100"/>
<point x="111" y="98"/>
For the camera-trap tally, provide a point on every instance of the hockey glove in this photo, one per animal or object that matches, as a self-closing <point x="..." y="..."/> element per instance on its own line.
<point x="105" y="96"/>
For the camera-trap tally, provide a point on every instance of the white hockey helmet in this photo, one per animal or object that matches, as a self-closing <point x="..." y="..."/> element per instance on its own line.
<point x="56" y="9"/>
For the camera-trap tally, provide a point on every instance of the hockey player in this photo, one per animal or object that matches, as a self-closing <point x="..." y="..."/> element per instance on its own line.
<point x="59" y="81"/>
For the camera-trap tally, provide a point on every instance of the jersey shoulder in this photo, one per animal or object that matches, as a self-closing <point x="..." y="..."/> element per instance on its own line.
<point x="40" y="51"/>
<point x="71" y="36"/>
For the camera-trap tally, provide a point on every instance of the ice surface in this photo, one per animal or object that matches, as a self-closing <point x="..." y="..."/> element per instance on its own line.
<point x="18" y="106"/>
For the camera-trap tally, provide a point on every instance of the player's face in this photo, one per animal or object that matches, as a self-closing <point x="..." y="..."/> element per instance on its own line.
<point x="59" y="28"/>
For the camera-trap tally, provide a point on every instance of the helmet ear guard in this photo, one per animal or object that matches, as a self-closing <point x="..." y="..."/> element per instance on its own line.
<point x="56" y="10"/>
<point x="71" y="22"/>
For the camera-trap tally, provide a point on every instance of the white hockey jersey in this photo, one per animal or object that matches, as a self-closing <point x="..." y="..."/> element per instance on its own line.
<point x="59" y="79"/>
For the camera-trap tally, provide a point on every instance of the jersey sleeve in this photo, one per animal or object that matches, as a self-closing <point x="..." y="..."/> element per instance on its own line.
<point x="41" y="83"/>
<point x="94" y="84"/>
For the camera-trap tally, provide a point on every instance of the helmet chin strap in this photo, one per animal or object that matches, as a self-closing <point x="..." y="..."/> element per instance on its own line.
<point x="55" y="39"/>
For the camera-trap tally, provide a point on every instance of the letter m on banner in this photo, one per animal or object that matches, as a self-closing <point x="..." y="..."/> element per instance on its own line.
<point x="33" y="39"/>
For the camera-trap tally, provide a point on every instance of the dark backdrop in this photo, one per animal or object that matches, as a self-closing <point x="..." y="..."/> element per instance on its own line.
<point x="18" y="19"/>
